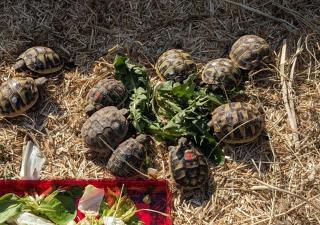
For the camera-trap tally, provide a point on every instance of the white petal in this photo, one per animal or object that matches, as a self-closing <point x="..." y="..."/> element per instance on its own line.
<point x="32" y="162"/>
<point x="91" y="200"/>
<point x="30" y="219"/>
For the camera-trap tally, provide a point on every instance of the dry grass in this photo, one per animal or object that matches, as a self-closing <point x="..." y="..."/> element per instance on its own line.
<point x="268" y="182"/>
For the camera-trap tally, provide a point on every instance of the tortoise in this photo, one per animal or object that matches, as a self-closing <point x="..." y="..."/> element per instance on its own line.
<point x="176" y="65"/>
<point x="17" y="95"/>
<point x="107" y="92"/>
<point x="41" y="60"/>
<point x="250" y="52"/>
<point x="188" y="166"/>
<point x="129" y="156"/>
<point x="105" y="129"/>
<point x="221" y="74"/>
<point x="237" y="123"/>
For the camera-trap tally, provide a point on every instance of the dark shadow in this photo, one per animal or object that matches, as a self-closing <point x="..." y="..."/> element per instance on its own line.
<point x="198" y="197"/>
<point x="257" y="155"/>
<point x="100" y="160"/>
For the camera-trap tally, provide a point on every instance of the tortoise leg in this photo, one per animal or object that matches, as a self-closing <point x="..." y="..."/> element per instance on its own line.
<point x="41" y="81"/>
<point x="20" y="66"/>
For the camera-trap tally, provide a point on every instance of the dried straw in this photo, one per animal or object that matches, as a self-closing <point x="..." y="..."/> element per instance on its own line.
<point x="206" y="29"/>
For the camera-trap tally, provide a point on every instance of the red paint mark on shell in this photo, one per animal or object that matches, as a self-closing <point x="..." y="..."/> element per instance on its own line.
<point x="97" y="96"/>
<point x="189" y="155"/>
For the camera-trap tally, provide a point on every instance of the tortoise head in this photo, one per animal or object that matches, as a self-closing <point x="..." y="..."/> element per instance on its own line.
<point x="142" y="138"/>
<point x="183" y="142"/>
<point x="20" y="65"/>
<point x="146" y="141"/>
<point x="125" y="112"/>
<point x="183" y="145"/>
<point x="40" y="81"/>
<point x="90" y="109"/>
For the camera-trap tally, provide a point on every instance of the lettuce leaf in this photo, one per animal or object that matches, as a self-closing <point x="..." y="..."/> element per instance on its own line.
<point x="59" y="207"/>
<point x="10" y="206"/>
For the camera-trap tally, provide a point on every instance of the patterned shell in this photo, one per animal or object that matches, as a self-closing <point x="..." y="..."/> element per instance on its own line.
<point x="104" y="129"/>
<point x="189" y="168"/>
<point x="237" y="123"/>
<point x="39" y="59"/>
<point x="17" y="96"/>
<point x="107" y="92"/>
<point x="222" y="74"/>
<point x="250" y="52"/>
<point x="128" y="157"/>
<point x="175" y="64"/>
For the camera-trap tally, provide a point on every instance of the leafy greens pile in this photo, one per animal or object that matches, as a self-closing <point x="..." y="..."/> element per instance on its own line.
<point x="58" y="206"/>
<point x="169" y="110"/>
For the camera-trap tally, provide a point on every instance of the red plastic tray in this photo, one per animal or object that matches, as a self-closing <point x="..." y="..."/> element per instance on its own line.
<point x="136" y="190"/>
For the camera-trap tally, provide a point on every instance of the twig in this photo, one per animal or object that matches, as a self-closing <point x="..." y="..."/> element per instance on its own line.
<point x="287" y="93"/>
<point x="277" y="215"/>
<point x="269" y="186"/>
<point x="294" y="126"/>
<point x="298" y="17"/>
<point x="262" y="13"/>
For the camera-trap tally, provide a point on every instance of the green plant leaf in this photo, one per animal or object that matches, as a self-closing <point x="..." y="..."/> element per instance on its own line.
<point x="10" y="206"/>
<point x="76" y="191"/>
<point x="138" y="107"/>
<point x="59" y="207"/>
<point x="169" y="110"/>
<point x="185" y="90"/>
<point x="130" y="73"/>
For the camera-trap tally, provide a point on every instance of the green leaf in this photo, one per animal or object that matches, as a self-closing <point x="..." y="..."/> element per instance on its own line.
<point x="76" y="191"/>
<point x="185" y="90"/>
<point x="119" y="62"/>
<point x="130" y="73"/>
<point x="169" y="110"/>
<point x="59" y="207"/>
<point x="10" y="206"/>
<point x="138" y="106"/>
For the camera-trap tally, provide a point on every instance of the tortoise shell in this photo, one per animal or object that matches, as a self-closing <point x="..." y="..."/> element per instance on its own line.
<point x="175" y="64"/>
<point x="39" y="59"/>
<point x="107" y="92"/>
<point x="250" y="52"/>
<point x="188" y="166"/>
<point x="105" y="129"/>
<point x="129" y="156"/>
<point x="17" y="95"/>
<point x="237" y="123"/>
<point x="221" y="73"/>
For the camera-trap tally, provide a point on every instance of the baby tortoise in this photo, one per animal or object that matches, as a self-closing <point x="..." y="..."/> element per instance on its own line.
<point x="129" y="156"/>
<point x="175" y="64"/>
<point x="188" y="166"/>
<point x="105" y="129"/>
<point x="237" y="123"/>
<point x="107" y="92"/>
<point x="17" y="95"/>
<point x="41" y="60"/>
<point x="250" y="52"/>
<point x="221" y="74"/>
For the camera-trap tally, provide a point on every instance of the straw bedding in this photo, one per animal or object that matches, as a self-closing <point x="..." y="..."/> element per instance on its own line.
<point x="268" y="182"/>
